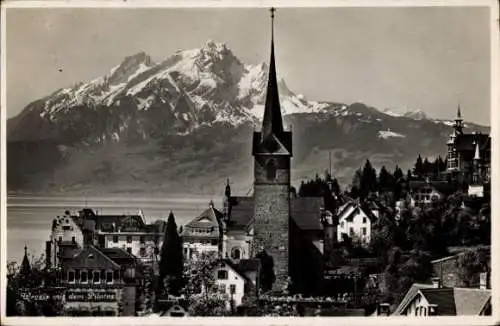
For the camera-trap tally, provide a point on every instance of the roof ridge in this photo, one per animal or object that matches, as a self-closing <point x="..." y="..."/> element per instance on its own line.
<point x="104" y="255"/>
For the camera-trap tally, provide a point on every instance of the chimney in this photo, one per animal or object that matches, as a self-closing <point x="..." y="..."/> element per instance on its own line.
<point x="436" y="282"/>
<point x="483" y="281"/>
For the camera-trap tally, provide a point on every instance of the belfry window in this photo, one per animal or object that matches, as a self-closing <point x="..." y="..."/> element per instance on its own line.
<point x="271" y="170"/>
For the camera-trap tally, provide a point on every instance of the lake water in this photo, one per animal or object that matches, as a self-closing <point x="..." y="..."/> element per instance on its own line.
<point x="29" y="218"/>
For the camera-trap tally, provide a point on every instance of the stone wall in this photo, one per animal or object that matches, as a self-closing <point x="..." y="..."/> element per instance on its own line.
<point x="272" y="214"/>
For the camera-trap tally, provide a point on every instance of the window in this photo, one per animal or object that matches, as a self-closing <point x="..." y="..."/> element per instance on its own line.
<point x="271" y="170"/>
<point x="141" y="239"/>
<point x="363" y="230"/>
<point x="142" y="252"/>
<point x="185" y="252"/>
<point x="66" y="227"/>
<point x="129" y="239"/>
<point x="364" y="219"/>
<point x="109" y="277"/>
<point x="222" y="288"/>
<point x="71" y="277"/>
<point x="214" y="242"/>
<point x="96" y="276"/>
<point x="236" y="253"/>
<point x="60" y="239"/>
<point x="222" y="275"/>
<point x="351" y="231"/>
<point x="73" y="240"/>
<point x="129" y="250"/>
<point x="83" y="277"/>
<point x="115" y="239"/>
<point x="232" y="288"/>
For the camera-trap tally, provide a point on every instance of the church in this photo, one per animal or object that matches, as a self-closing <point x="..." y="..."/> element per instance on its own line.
<point x="274" y="220"/>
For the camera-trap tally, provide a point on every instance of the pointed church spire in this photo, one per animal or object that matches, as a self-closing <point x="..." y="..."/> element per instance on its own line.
<point x="25" y="265"/>
<point x="459" y="114"/>
<point x="476" y="154"/>
<point x="272" y="122"/>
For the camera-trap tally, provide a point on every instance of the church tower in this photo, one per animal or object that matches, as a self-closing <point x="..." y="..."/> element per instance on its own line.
<point x="272" y="151"/>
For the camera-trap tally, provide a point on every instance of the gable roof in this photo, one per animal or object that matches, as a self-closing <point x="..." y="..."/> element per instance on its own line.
<point x="352" y="208"/>
<point x="443" y="298"/>
<point x="450" y="301"/>
<point x="91" y="257"/>
<point x="412" y="292"/>
<point x="471" y="301"/>
<point x="119" y="256"/>
<point x="210" y="220"/>
<point x="306" y="212"/>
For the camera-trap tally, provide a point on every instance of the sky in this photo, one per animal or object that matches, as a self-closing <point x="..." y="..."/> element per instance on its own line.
<point x="426" y="58"/>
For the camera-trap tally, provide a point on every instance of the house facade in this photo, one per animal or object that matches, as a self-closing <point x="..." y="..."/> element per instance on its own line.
<point x="100" y="282"/>
<point x="355" y="221"/>
<point x="237" y="280"/>
<point x="434" y="300"/>
<point x="203" y="234"/>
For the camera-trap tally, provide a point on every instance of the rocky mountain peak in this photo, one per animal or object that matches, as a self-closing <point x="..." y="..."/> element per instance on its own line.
<point x="130" y="67"/>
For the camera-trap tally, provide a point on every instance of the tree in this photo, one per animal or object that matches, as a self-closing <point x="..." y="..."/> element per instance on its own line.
<point x="368" y="180"/>
<point x="200" y="289"/>
<point x="356" y="184"/>
<point x="171" y="258"/>
<point x="419" y="166"/>
<point x="470" y="264"/>
<point x="385" y="180"/>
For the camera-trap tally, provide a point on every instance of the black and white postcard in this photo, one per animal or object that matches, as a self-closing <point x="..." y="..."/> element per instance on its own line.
<point x="228" y="159"/>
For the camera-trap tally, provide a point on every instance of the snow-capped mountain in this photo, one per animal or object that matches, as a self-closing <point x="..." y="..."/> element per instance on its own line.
<point x="189" y="89"/>
<point x="188" y="119"/>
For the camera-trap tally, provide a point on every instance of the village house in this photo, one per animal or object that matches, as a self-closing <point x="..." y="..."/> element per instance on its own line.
<point x="237" y="280"/>
<point x="469" y="154"/>
<point x="203" y="234"/>
<point x="426" y="192"/>
<point x="128" y="232"/>
<point x="355" y="220"/>
<point x="100" y="282"/>
<point x="435" y="300"/>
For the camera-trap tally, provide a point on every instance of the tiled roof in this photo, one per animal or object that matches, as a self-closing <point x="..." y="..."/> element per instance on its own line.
<point x="118" y="255"/>
<point x="306" y="212"/>
<point x="91" y="257"/>
<point x="241" y="212"/>
<point x="465" y="142"/>
<point x="209" y="221"/>
<point x="471" y="301"/>
<point x="450" y="301"/>
<point x="443" y="298"/>
<point x="412" y="292"/>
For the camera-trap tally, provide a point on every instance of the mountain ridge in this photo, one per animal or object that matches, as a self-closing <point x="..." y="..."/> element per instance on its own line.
<point x="185" y="123"/>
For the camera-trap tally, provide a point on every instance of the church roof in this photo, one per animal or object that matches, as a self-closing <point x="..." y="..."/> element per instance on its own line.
<point x="306" y="212"/>
<point x="241" y="212"/>
<point x="25" y="265"/>
<point x="272" y="121"/>
<point x="272" y="138"/>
